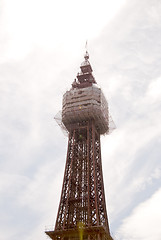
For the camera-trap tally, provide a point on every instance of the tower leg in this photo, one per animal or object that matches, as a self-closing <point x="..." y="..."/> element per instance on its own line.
<point x="82" y="211"/>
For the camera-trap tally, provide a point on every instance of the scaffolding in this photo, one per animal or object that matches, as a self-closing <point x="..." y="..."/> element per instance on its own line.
<point x="86" y="104"/>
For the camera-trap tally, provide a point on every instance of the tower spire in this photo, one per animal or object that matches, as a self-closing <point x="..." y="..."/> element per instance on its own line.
<point x="86" y="48"/>
<point x="86" y="45"/>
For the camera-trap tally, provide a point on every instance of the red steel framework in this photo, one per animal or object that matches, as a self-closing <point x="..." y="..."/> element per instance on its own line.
<point x="82" y="210"/>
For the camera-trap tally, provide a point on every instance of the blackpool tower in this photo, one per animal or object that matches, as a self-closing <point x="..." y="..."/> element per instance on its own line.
<point x="82" y="210"/>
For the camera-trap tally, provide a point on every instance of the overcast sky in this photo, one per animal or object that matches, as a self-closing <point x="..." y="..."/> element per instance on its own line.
<point x="42" y="44"/>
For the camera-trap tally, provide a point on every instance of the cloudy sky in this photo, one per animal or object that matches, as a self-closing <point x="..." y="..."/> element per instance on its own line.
<point x="42" y="44"/>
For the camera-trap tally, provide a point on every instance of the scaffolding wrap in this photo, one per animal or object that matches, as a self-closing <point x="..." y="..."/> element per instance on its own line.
<point x="86" y="104"/>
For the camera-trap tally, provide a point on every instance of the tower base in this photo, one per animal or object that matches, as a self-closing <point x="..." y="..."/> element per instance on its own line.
<point x="87" y="233"/>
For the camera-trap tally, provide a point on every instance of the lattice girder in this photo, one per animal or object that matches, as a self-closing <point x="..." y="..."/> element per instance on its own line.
<point x="82" y="198"/>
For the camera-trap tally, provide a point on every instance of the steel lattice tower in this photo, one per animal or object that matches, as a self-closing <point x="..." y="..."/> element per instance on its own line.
<point x="82" y="210"/>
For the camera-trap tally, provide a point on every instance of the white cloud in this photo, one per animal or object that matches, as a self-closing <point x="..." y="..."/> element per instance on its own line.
<point x="40" y="57"/>
<point x="153" y="92"/>
<point x="144" y="221"/>
<point x="126" y="171"/>
<point x="132" y="153"/>
<point x="53" y="24"/>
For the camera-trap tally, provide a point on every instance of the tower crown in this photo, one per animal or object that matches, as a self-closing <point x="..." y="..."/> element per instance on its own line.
<point x="84" y="77"/>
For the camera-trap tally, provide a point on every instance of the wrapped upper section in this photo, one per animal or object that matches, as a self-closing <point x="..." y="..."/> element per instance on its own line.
<point x="85" y="104"/>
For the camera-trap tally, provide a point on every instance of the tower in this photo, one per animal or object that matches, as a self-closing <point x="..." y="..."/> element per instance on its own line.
<point x="82" y="210"/>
